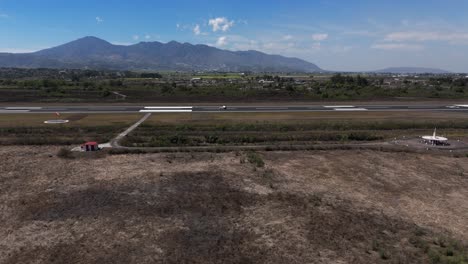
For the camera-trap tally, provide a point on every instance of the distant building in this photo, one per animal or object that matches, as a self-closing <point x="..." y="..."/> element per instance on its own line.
<point x="265" y="82"/>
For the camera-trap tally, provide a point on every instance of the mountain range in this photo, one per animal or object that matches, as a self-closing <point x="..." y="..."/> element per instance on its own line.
<point x="95" y="53"/>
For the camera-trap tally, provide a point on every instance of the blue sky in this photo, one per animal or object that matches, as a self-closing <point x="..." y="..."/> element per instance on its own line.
<point x="337" y="35"/>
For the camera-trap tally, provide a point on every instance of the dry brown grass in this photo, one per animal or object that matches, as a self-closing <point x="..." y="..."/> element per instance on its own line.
<point x="37" y="120"/>
<point x="407" y="116"/>
<point x="302" y="207"/>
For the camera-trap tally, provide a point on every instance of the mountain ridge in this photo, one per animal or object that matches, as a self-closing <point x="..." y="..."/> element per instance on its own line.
<point x="95" y="53"/>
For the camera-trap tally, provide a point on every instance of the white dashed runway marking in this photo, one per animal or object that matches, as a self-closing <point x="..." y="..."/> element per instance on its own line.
<point x="167" y="109"/>
<point x="350" y="109"/>
<point x="345" y="108"/>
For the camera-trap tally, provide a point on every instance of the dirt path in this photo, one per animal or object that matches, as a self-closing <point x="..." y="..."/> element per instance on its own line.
<point x="116" y="140"/>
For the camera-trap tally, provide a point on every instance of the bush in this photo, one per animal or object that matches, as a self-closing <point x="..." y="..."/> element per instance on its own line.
<point x="65" y="153"/>
<point x="256" y="159"/>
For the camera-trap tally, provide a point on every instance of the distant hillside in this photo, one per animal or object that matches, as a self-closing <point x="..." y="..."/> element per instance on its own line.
<point x="95" y="53"/>
<point x="413" y="70"/>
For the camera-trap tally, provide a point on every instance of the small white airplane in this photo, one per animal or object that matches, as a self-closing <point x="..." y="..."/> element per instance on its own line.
<point x="223" y="107"/>
<point x="434" y="139"/>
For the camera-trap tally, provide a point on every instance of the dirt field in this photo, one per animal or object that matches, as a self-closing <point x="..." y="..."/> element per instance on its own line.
<point x="29" y="129"/>
<point x="83" y="120"/>
<point x="301" y="207"/>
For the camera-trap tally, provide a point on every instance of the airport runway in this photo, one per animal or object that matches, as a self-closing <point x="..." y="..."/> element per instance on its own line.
<point x="229" y="108"/>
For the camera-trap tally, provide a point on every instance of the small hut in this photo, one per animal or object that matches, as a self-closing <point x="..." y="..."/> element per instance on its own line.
<point x="90" y="146"/>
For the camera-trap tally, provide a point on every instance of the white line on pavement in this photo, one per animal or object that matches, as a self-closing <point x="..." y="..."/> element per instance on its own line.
<point x="338" y="106"/>
<point x="23" y="108"/>
<point x="166" y="111"/>
<point x="350" y="109"/>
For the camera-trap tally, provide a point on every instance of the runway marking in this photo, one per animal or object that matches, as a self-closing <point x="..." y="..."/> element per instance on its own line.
<point x="345" y="108"/>
<point x="350" y="109"/>
<point x="168" y="107"/>
<point x="166" y="111"/>
<point x="23" y="108"/>
<point x="210" y="108"/>
<point x="338" y="106"/>
<point x="59" y="121"/>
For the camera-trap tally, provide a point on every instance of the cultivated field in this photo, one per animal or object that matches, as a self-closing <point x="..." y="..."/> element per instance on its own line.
<point x="271" y="207"/>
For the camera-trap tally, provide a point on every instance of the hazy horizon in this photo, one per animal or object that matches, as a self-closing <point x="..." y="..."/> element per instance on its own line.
<point x="352" y="36"/>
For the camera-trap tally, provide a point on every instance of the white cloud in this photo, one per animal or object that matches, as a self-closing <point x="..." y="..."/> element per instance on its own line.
<point x="319" y="37"/>
<point x="242" y="43"/>
<point x="177" y="26"/>
<point x="287" y="37"/>
<point x="197" y="30"/>
<point x="222" y="41"/>
<point x="15" y="50"/>
<point x="275" y="45"/>
<point x="220" y="23"/>
<point x="361" y="33"/>
<point x="397" y="46"/>
<point x="136" y="37"/>
<point x="99" y="20"/>
<point x="426" y="36"/>
<point x="147" y="36"/>
<point x="121" y="43"/>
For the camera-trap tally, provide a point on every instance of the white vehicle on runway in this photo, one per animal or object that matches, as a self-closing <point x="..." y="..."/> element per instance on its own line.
<point x="223" y="107"/>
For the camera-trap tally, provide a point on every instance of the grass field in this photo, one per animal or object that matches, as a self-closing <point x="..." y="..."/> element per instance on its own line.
<point x="298" y="116"/>
<point x="23" y="120"/>
<point x="213" y="129"/>
<point x="201" y="129"/>
<point x="29" y="129"/>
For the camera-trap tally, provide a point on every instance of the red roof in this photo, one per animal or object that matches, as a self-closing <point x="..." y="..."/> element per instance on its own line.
<point x="90" y="143"/>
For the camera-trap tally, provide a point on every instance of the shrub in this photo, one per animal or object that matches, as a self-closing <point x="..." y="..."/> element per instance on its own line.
<point x="256" y="159"/>
<point x="65" y="153"/>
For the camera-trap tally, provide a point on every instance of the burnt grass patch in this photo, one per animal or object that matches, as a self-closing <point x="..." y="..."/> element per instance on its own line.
<point x="201" y="217"/>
